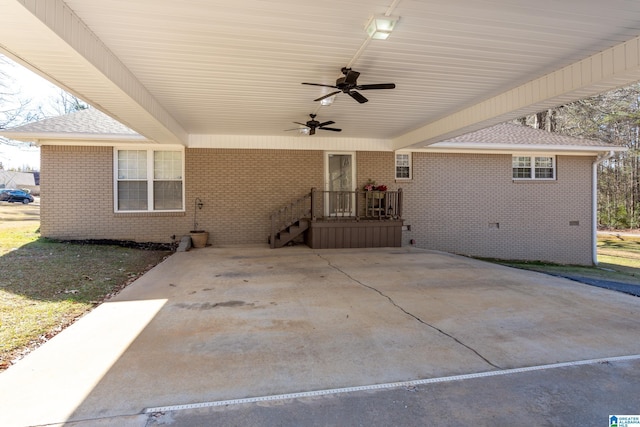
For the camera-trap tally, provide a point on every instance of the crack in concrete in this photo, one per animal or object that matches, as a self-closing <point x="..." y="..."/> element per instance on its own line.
<point x="408" y="313"/>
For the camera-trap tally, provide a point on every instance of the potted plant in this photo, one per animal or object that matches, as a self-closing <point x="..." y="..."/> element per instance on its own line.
<point x="199" y="238"/>
<point x="377" y="190"/>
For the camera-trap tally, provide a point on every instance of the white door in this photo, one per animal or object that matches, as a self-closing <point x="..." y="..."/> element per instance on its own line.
<point x="340" y="173"/>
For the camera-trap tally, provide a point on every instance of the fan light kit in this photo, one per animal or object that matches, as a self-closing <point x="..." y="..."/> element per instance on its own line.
<point x="349" y="85"/>
<point x="311" y="126"/>
<point x="328" y="101"/>
<point x="379" y="27"/>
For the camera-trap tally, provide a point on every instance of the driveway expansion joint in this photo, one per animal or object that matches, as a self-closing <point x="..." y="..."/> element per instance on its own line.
<point x="407" y="385"/>
<point x="408" y="313"/>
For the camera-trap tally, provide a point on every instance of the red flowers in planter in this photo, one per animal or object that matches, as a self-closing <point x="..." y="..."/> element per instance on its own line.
<point x="371" y="186"/>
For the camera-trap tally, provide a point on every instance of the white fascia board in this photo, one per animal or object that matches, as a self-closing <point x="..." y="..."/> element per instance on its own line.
<point x="64" y="138"/>
<point x="472" y="147"/>
<point x="306" y="142"/>
<point x="151" y="145"/>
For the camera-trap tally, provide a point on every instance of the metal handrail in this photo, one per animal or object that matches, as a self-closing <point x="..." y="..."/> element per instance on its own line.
<point x="289" y="215"/>
<point x="358" y="204"/>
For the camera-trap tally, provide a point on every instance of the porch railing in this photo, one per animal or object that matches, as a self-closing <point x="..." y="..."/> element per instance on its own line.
<point x="356" y="204"/>
<point x="320" y="204"/>
<point x="289" y="215"/>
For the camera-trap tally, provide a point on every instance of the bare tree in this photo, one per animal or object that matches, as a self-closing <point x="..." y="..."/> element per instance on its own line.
<point x="14" y="108"/>
<point x="67" y="103"/>
<point x="612" y="117"/>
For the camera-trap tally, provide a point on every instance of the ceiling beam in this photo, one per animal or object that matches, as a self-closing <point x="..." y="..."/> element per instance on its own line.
<point x="607" y="70"/>
<point x="47" y="35"/>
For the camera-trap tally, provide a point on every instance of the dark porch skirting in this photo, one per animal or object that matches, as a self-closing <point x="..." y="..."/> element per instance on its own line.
<point x="335" y="234"/>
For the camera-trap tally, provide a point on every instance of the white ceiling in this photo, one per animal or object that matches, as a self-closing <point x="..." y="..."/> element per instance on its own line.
<point x="179" y="71"/>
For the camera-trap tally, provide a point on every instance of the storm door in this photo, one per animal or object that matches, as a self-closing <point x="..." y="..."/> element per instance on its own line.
<point x="340" y="178"/>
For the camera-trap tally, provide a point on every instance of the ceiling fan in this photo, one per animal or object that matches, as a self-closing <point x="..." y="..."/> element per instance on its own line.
<point x="313" y="124"/>
<point x="349" y="83"/>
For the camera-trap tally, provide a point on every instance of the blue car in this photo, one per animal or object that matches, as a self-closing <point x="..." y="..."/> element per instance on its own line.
<point x="13" y="196"/>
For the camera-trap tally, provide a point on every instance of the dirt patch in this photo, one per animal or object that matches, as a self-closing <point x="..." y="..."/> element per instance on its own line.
<point x="148" y="246"/>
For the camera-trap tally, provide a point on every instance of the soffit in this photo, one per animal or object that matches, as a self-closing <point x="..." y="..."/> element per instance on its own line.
<point x="235" y="68"/>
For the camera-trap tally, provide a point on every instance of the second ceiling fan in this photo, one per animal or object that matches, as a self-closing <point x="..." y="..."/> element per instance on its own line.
<point x="349" y="85"/>
<point x="313" y="124"/>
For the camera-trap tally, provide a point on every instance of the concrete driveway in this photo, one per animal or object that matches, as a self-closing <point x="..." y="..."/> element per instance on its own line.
<point x="219" y="324"/>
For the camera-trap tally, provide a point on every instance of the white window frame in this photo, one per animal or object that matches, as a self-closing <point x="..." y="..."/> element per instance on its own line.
<point x="395" y="166"/>
<point x="532" y="159"/>
<point x="149" y="179"/>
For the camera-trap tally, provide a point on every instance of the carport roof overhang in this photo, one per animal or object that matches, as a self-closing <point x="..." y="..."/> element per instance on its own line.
<point x="59" y="40"/>
<point x="615" y="67"/>
<point x="50" y="39"/>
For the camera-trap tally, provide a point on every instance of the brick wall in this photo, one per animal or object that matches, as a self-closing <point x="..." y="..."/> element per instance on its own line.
<point x="470" y="205"/>
<point x="239" y="189"/>
<point x="464" y="203"/>
<point x="77" y="200"/>
<point x="378" y="166"/>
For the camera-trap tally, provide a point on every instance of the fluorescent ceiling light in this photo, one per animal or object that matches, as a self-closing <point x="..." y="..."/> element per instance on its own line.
<point x="379" y="27"/>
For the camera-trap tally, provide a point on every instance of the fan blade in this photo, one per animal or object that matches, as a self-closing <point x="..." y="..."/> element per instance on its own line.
<point x="319" y="84"/>
<point x="288" y="130"/>
<point x="358" y="97"/>
<point x="351" y="77"/>
<point x="327" y="95"/>
<point x="312" y="131"/>
<point x="378" y="86"/>
<point x="330" y="122"/>
<point x="332" y="129"/>
<point x="301" y="124"/>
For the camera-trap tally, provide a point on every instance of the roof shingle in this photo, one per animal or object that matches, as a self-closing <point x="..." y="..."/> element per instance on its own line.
<point x="511" y="133"/>
<point x="88" y="121"/>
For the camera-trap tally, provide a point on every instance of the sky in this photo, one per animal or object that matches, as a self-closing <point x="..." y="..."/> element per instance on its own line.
<point x="41" y="93"/>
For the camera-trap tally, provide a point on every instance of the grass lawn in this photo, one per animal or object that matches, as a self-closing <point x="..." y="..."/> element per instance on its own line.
<point x="46" y="285"/>
<point x="618" y="261"/>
